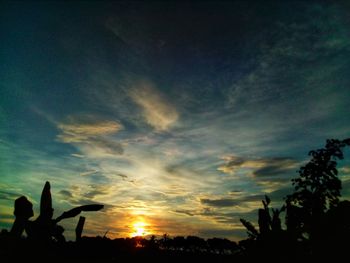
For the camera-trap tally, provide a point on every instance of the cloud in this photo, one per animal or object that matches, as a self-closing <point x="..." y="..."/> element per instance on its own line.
<point x="77" y="131"/>
<point x="225" y="202"/>
<point x="156" y="109"/>
<point x="123" y="176"/>
<point x="185" y="212"/>
<point x="66" y="194"/>
<point x="86" y="194"/>
<point x="232" y="163"/>
<point x="278" y="87"/>
<point x="228" y="216"/>
<point x="246" y="200"/>
<point x="5" y="195"/>
<point x="88" y="173"/>
<point x="346" y="189"/>
<point x="91" y="135"/>
<point x="235" y="234"/>
<point x="270" y="170"/>
<point x="77" y="155"/>
<point x="275" y="167"/>
<point x="241" y="202"/>
<point x="103" y="146"/>
<point x="264" y="167"/>
<point x="95" y="192"/>
<point x="345" y="169"/>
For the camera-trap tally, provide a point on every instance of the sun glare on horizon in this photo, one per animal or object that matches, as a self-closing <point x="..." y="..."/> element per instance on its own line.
<point x="139" y="229"/>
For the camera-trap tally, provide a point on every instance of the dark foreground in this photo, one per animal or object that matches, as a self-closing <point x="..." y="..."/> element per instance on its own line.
<point x="100" y="250"/>
<point x="104" y="250"/>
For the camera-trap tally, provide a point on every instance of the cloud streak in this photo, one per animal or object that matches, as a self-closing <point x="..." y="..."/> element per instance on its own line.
<point x="77" y="130"/>
<point x="263" y="167"/>
<point x="91" y="135"/>
<point x="220" y="202"/>
<point x="156" y="109"/>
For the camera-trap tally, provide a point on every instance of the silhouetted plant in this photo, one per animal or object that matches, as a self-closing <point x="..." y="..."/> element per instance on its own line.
<point x="44" y="228"/>
<point x="315" y="190"/>
<point x="267" y="224"/>
<point x="222" y="246"/>
<point x="251" y="230"/>
<point x="195" y="243"/>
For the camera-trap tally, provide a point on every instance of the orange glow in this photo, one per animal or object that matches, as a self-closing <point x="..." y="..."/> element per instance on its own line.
<point x="139" y="229"/>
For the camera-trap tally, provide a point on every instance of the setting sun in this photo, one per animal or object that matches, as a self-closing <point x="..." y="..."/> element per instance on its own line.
<point x="139" y="229"/>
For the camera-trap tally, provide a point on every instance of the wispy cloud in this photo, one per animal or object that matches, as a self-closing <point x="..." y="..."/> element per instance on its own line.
<point x="185" y="212"/>
<point x="86" y="194"/>
<point x="220" y="202"/>
<point x="283" y="88"/>
<point x="7" y="195"/>
<point x="97" y="191"/>
<point x="345" y="169"/>
<point x="65" y="194"/>
<point x="76" y="130"/>
<point x="77" y="155"/>
<point x="156" y="108"/>
<point x="263" y="167"/>
<point x="91" y="135"/>
<point x="102" y="147"/>
<point x="88" y="173"/>
<point x="244" y="200"/>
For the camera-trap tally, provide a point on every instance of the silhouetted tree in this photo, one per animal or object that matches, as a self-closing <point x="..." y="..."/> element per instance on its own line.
<point x="222" y="246"/>
<point x="165" y="241"/>
<point x="150" y="244"/>
<point x="179" y="243"/>
<point x="315" y="190"/>
<point x="195" y="243"/>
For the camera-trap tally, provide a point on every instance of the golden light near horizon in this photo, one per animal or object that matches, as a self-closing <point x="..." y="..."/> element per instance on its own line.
<point x="139" y="228"/>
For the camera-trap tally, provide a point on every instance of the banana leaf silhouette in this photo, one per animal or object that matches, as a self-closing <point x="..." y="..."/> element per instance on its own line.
<point x="77" y="210"/>
<point x="46" y="210"/>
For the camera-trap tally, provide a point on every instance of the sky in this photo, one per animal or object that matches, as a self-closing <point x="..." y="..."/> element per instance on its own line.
<point x="178" y="117"/>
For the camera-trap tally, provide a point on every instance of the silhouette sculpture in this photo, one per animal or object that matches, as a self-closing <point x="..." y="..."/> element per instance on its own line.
<point x="45" y="228"/>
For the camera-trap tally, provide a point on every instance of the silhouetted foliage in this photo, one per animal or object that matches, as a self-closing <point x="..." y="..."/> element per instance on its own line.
<point x="317" y="189"/>
<point x="44" y="228"/>
<point x="267" y="224"/>
<point x="251" y="231"/>
<point x="314" y="215"/>
<point x="269" y="236"/>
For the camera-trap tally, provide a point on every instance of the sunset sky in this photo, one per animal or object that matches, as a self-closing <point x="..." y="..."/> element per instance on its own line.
<point x="178" y="117"/>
